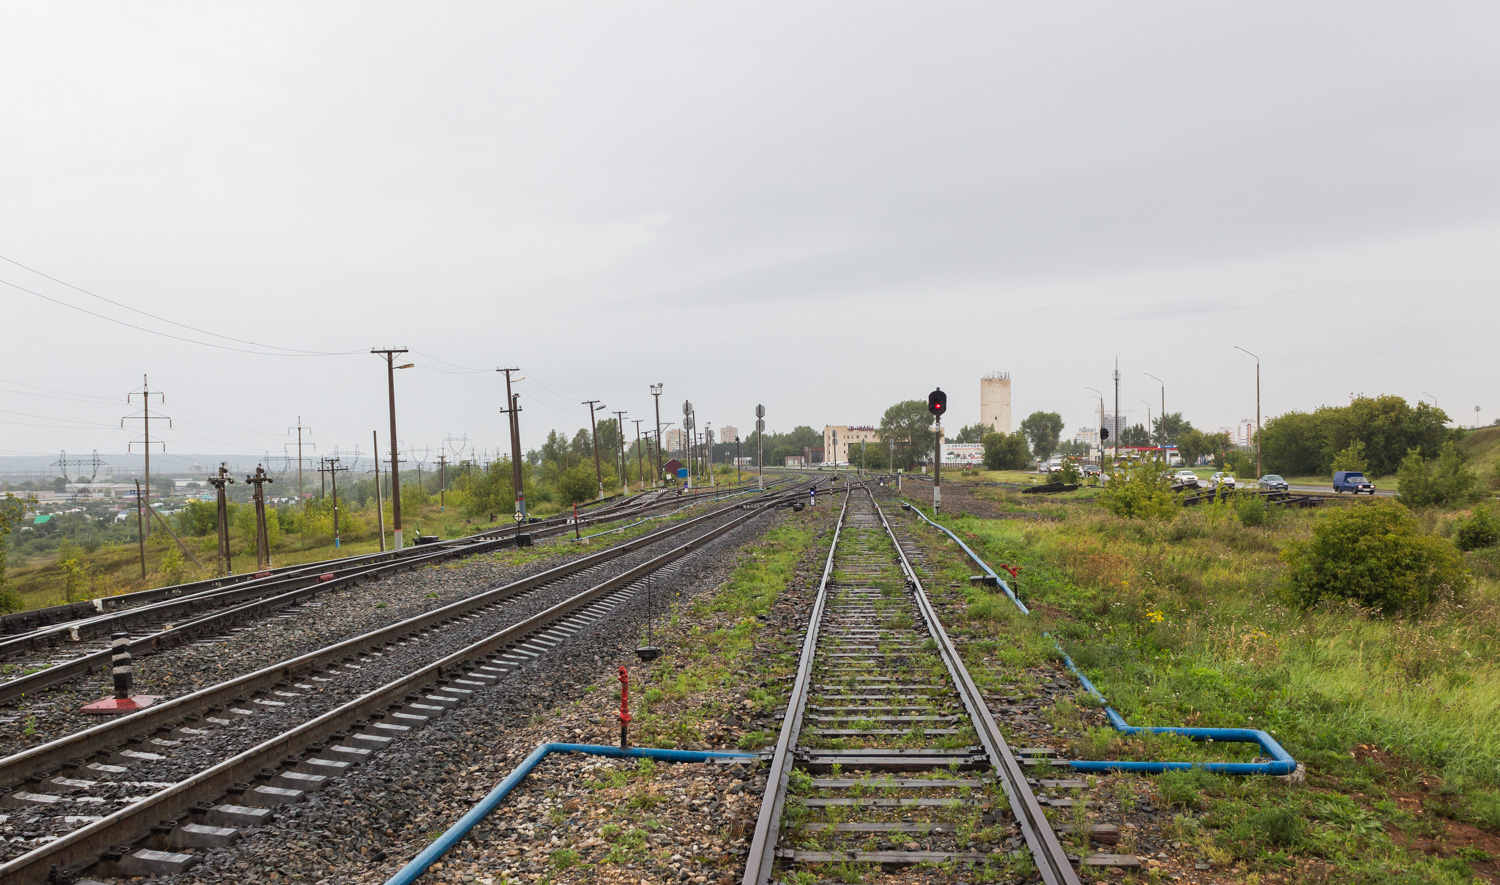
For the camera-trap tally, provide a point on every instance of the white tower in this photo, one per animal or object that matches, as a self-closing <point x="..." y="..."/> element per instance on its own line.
<point x="994" y="401"/>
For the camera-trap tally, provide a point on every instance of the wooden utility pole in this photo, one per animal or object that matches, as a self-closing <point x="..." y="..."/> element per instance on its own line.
<point x="379" y="506"/>
<point x="219" y="481"/>
<point x="513" y="412"/>
<point x="656" y="393"/>
<point x="331" y="465"/>
<point x="390" y="374"/>
<point x="594" y="404"/>
<point x="620" y="431"/>
<point x="640" y="453"/>
<point x="145" y="393"/>
<point x="262" y="539"/>
<point x="443" y="483"/>
<point x="140" y="530"/>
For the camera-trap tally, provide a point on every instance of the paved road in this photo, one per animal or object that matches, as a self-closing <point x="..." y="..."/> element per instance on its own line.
<point x="1384" y="493"/>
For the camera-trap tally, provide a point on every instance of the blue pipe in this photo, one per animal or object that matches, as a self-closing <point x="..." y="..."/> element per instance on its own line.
<point x="1281" y="762"/>
<point x="455" y="834"/>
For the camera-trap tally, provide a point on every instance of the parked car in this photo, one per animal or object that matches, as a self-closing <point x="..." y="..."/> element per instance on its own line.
<point x="1223" y="478"/>
<point x="1352" y="481"/>
<point x="1090" y="470"/>
<point x="1184" y="477"/>
<point x="1274" y="482"/>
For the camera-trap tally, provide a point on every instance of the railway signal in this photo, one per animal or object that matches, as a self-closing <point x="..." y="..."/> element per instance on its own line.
<point x="937" y="404"/>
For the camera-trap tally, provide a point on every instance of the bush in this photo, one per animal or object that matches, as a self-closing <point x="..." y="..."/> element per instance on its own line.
<point x="1251" y="509"/>
<point x="1375" y="555"/>
<point x="1351" y="458"/>
<point x="1005" y="451"/>
<point x="1443" y="482"/>
<point x="1481" y="529"/>
<point x="1140" y="491"/>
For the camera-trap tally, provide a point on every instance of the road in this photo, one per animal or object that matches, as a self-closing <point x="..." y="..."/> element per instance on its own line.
<point x="1328" y="489"/>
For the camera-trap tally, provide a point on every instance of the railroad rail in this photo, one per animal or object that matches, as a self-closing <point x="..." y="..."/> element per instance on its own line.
<point x="208" y="611"/>
<point x="182" y="816"/>
<point x="896" y="757"/>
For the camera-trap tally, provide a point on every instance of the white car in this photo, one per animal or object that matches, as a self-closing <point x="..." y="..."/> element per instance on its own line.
<point x="1183" y="477"/>
<point x="1223" y="478"/>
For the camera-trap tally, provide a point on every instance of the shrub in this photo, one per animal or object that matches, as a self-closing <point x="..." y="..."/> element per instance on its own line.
<point x="1251" y="509"/>
<point x="1005" y="451"/>
<point x="1070" y="474"/>
<point x="1140" y="491"/>
<point x="1375" y="555"/>
<point x="1445" y="481"/>
<point x="1352" y="458"/>
<point x="1481" y="529"/>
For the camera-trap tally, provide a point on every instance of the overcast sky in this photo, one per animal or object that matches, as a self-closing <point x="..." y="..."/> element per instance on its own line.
<point x="822" y="207"/>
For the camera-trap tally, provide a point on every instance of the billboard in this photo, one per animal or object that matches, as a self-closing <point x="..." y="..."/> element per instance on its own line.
<point x="963" y="454"/>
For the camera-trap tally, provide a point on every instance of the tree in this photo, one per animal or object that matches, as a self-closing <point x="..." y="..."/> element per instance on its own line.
<point x="909" y="427"/>
<point x="973" y="433"/>
<point x="12" y="510"/>
<point x="1140" y="491"/>
<point x="1445" y="481"/>
<point x="1042" y="430"/>
<point x="1193" y="445"/>
<point x="1073" y="447"/>
<point x="1135" y="435"/>
<point x="1384" y="426"/>
<point x="1375" y="555"/>
<point x="1005" y="451"/>
<point x="1174" y="425"/>
<point x="1351" y="458"/>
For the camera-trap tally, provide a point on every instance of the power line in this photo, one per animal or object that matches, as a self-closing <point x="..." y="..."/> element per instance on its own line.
<point x="110" y="319"/>
<point x="153" y="316"/>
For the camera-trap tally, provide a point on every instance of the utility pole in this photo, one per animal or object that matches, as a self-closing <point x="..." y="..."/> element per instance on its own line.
<point x="620" y="431"/>
<point x="656" y="393"/>
<point x="262" y="540"/>
<point x="145" y="393"/>
<point x="760" y="432"/>
<point x="390" y="374"/>
<point x="737" y="480"/>
<point x="379" y="505"/>
<point x="219" y="481"/>
<point x="1117" y="407"/>
<point x="1148" y="428"/>
<point x="443" y="483"/>
<point x="299" y="428"/>
<point x="640" y="453"/>
<point x="708" y="442"/>
<point x="514" y="414"/>
<point x="140" y="531"/>
<point x="331" y="465"/>
<point x="594" y="405"/>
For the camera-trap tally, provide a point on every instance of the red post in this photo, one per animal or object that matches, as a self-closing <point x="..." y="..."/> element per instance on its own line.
<point x="624" y="704"/>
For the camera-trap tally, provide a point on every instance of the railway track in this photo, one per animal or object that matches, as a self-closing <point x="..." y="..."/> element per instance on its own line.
<point x="56" y="653"/>
<point x="119" y="812"/>
<point x="888" y="756"/>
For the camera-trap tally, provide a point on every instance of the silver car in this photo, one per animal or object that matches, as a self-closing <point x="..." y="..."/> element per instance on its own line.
<point x="1223" y="478"/>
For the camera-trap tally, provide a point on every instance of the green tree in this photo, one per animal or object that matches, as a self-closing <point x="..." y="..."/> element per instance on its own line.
<point x="1387" y="428"/>
<point x="1135" y="435"/>
<point x="1375" y="555"/>
<point x="1443" y="482"/>
<point x="1292" y="444"/>
<point x="577" y="485"/>
<point x="1042" y="431"/>
<point x="909" y="426"/>
<point x="1005" y="451"/>
<point x="1351" y="458"/>
<point x="1480" y="530"/>
<point x="1174" y="425"/>
<point x="12" y="511"/>
<point x="1192" y="445"/>
<point x="973" y="433"/>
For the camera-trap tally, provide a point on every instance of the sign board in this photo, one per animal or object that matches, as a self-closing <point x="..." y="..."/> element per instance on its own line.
<point x="682" y="473"/>
<point x="760" y="411"/>
<point x="520" y="516"/>
<point x="963" y="454"/>
<point x="760" y="426"/>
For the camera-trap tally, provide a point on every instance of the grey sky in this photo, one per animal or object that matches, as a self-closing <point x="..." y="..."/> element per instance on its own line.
<point x="822" y="207"/>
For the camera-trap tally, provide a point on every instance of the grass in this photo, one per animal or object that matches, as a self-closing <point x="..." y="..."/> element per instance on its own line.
<point x="1182" y="623"/>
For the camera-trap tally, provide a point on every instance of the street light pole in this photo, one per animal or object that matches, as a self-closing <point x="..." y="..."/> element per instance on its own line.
<point x="1148" y="427"/>
<point x="1163" y="410"/>
<point x="656" y="392"/>
<point x="620" y="428"/>
<point x="390" y="374"/>
<point x="1258" y="471"/>
<point x="640" y="453"/>
<point x="1101" y="424"/>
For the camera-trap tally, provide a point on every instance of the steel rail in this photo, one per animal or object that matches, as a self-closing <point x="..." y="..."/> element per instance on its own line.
<point x="83" y="846"/>
<point x="59" y="752"/>
<point x="762" y="858"/>
<point x="1047" y="852"/>
<point x="302" y="588"/>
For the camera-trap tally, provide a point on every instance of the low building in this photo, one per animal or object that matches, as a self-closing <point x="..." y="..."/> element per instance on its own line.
<point x="837" y="440"/>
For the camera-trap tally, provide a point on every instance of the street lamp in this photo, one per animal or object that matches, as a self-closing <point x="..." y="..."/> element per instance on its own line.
<point x="656" y="392"/>
<point x="1163" y="410"/>
<point x="1257" y="407"/>
<point x="594" y="405"/>
<point x="390" y="373"/>
<point x="1148" y="427"/>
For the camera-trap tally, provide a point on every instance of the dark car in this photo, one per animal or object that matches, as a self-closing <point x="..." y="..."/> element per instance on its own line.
<point x="1352" y="481"/>
<point x="1274" y="482"/>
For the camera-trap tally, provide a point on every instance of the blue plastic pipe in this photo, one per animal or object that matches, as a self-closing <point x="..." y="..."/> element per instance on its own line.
<point x="1281" y="761"/>
<point x="455" y="834"/>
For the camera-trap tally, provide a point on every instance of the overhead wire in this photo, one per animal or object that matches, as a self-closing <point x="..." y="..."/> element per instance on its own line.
<point x="292" y="351"/>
